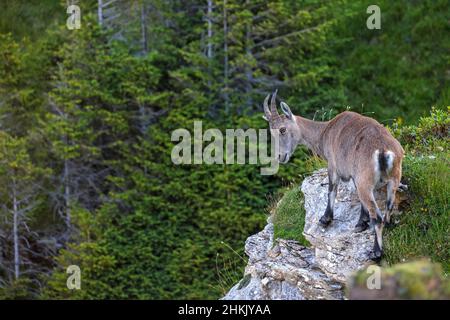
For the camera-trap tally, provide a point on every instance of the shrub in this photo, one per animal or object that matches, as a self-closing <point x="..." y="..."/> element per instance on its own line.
<point x="423" y="229"/>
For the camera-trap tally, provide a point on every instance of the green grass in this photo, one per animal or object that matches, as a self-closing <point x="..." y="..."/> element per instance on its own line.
<point x="289" y="217"/>
<point x="289" y="211"/>
<point x="419" y="279"/>
<point x="424" y="227"/>
<point x="229" y="270"/>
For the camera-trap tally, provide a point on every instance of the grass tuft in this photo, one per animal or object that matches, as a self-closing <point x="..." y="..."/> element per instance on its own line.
<point x="229" y="269"/>
<point x="424" y="228"/>
<point x="289" y="217"/>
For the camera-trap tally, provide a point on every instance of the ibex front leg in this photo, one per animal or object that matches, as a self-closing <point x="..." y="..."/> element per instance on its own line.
<point x="363" y="222"/>
<point x="333" y="181"/>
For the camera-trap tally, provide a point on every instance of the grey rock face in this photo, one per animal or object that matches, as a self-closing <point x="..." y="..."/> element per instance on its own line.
<point x="339" y="250"/>
<point x="282" y="270"/>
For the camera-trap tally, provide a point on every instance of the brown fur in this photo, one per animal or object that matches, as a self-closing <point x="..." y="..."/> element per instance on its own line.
<point x="348" y="143"/>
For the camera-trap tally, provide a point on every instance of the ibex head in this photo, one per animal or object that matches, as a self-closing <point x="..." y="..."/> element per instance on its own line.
<point x="283" y="126"/>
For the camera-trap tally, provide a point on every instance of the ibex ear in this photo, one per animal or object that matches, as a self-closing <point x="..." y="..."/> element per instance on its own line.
<point x="286" y="110"/>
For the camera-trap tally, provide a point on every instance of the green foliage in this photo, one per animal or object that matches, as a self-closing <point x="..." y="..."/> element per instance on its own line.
<point x="20" y="197"/>
<point x="431" y="135"/>
<point x="98" y="269"/>
<point x="400" y="70"/>
<point x="423" y="229"/>
<point x="416" y="280"/>
<point x="99" y="111"/>
<point x="19" y="87"/>
<point x="20" y="289"/>
<point x="30" y="18"/>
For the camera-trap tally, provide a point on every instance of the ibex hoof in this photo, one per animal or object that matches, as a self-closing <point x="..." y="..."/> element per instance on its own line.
<point x="376" y="256"/>
<point x="388" y="224"/>
<point x="325" y="221"/>
<point x="361" y="226"/>
<point x="387" y="221"/>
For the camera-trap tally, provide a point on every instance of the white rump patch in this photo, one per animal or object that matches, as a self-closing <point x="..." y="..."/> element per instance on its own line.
<point x="389" y="159"/>
<point x="388" y="155"/>
<point x="376" y="164"/>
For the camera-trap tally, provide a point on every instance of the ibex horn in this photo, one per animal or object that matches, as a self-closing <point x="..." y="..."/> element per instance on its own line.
<point x="273" y="104"/>
<point x="266" y="107"/>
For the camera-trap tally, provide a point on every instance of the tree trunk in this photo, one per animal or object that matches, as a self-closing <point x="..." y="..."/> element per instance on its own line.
<point x="144" y="28"/>
<point x="67" y="193"/>
<point x="100" y="12"/>
<point x="248" y="71"/>
<point x="209" y="18"/>
<point x="209" y="52"/>
<point x="225" y="53"/>
<point x="16" y="233"/>
<point x="142" y="120"/>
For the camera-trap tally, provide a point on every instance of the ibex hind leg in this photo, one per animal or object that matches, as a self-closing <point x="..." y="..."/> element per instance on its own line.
<point x="363" y="222"/>
<point x="377" y="223"/>
<point x="391" y="189"/>
<point x="376" y="220"/>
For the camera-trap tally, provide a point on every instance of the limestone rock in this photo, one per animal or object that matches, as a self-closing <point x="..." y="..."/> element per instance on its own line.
<point x="339" y="249"/>
<point x="282" y="270"/>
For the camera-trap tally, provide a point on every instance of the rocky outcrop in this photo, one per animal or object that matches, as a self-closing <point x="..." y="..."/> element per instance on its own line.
<point x="412" y="280"/>
<point x="339" y="250"/>
<point x="284" y="269"/>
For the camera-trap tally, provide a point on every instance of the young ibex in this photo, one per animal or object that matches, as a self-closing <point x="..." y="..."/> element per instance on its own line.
<point x="356" y="147"/>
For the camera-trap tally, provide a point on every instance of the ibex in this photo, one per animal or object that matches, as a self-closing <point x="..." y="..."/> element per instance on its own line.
<point x="356" y="147"/>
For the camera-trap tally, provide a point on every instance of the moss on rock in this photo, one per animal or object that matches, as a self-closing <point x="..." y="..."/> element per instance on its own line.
<point x="413" y="280"/>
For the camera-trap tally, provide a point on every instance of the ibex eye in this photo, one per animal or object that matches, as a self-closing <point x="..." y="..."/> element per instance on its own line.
<point x="283" y="131"/>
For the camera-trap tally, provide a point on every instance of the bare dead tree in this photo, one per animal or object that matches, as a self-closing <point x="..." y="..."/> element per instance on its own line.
<point x="144" y="39"/>
<point x="100" y="12"/>
<point x="225" y="53"/>
<point x="210" y="31"/>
